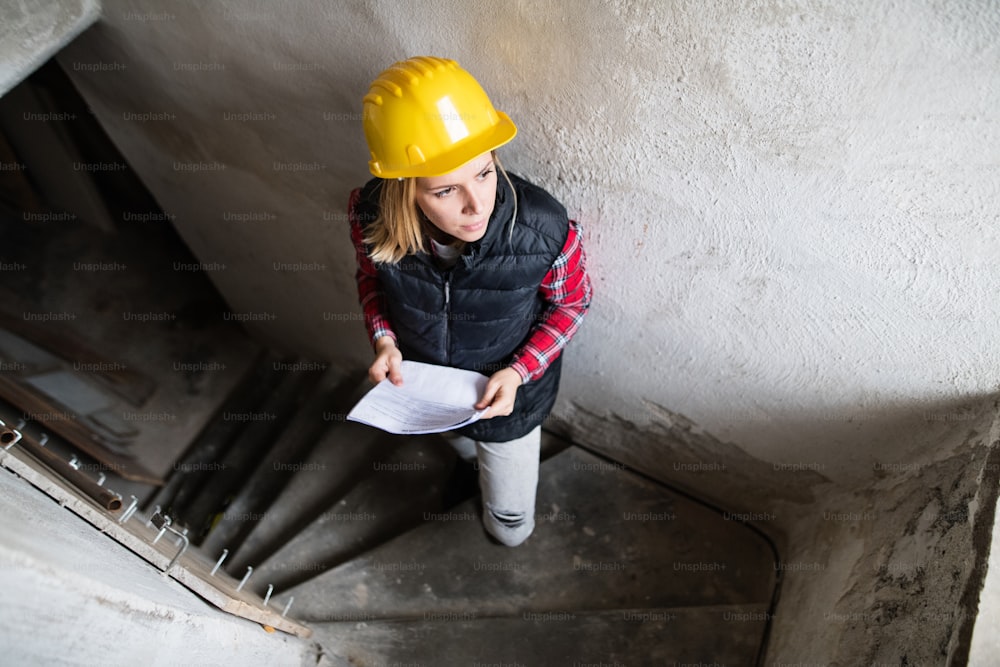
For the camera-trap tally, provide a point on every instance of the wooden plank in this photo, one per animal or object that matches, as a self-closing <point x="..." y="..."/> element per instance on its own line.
<point x="130" y="385"/>
<point x="74" y="431"/>
<point x="192" y="570"/>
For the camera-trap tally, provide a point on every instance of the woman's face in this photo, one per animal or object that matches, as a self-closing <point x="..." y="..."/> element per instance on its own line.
<point x="460" y="203"/>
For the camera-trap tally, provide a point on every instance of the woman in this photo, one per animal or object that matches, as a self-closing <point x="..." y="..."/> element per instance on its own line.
<point x="461" y="264"/>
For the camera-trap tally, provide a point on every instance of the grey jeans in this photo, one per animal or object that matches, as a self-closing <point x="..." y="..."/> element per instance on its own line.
<point x="508" y="480"/>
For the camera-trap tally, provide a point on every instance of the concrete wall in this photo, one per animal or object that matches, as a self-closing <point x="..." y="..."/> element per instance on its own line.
<point x="787" y="204"/>
<point x="789" y="210"/>
<point x="32" y="31"/>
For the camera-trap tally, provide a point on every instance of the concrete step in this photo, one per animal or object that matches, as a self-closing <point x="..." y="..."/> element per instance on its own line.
<point x="313" y="524"/>
<point x="340" y="461"/>
<point x="200" y="462"/>
<point x="263" y="427"/>
<point x="390" y="498"/>
<point x="276" y="469"/>
<point x="341" y="458"/>
<point x="606" y="538"/>
<point x="719" y="635"/>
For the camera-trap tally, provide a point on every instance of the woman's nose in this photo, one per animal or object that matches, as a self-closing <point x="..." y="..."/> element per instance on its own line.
<point x="473" y="203"/>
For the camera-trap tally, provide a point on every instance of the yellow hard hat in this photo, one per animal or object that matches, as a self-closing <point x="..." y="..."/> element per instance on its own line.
<point x="427" y="116"/>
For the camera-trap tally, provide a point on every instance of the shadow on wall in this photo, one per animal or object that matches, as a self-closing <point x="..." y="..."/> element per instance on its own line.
<point x="892" y="574"/>
<point x="883" y="556"/>
<point x="672" y="448"/>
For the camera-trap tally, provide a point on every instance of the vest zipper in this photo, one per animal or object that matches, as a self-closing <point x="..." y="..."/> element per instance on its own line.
<point x="447" y="315"/>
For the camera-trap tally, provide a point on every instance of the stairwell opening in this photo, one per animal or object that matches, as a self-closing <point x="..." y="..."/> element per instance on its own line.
<point x="130" y="376"/>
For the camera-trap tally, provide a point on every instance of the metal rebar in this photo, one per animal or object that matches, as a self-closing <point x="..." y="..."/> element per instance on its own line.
<point x="9" y="437"/>
<point x="163" y="527"/>
<point x="130" y="511"/>
<point x="82" y="481"/>
<point x="288" y="606"/>
<point x="267" y="597"/>
<point x="218" y="563"/>
<point x="246" y="577"/>
<point x="180" y="553"/>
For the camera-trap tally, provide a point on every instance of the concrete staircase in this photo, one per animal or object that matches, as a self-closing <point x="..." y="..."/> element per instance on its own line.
<point x="347" y="520"/>
<point x="600" y="582"/>
<point x="350" y="522"/>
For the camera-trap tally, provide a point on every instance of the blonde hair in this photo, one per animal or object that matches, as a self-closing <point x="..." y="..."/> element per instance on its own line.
<point x="399" y="229"/>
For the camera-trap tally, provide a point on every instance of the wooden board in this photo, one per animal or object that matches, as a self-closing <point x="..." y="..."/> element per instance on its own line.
<point x="191" y="570"/>
<point x="74" y="431"/>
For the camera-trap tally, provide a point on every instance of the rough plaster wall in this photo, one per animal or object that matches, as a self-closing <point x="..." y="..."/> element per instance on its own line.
<point x="32" y="31"/>
<point x="787" y="204"/>
<point x="891" y="574"/>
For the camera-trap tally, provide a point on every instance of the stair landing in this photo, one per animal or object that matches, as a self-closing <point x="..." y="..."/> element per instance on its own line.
<point x="615" y="559"/>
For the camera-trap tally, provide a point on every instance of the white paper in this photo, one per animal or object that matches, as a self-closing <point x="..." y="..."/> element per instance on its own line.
<point x="432" y="399"/>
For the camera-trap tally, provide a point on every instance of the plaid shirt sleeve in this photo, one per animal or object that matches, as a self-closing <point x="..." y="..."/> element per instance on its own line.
<point x="567" y="290"/>
<point x="369" y="291"/>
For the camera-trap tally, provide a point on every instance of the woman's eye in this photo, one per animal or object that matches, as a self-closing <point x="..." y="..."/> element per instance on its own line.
<point x="484" y="174"/>
<point x="443" y="193"/>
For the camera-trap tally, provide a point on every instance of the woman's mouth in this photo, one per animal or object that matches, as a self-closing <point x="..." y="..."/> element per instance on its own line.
<point x="474" y="227"/>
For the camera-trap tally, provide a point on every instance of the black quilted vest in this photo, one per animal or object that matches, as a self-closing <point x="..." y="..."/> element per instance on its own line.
<point x="476" y="314"/>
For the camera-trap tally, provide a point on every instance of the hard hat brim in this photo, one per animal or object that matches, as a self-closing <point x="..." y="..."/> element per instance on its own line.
<point x="460" y="154"/>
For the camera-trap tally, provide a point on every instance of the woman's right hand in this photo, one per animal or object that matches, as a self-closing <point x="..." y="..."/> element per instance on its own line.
<point x="388" y="360"/>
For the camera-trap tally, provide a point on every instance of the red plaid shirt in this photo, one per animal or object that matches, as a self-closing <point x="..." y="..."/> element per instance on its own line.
<point x="565" y="288"/>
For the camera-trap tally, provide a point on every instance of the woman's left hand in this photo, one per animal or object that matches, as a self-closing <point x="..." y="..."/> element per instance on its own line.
<point x="500" y="393"/>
